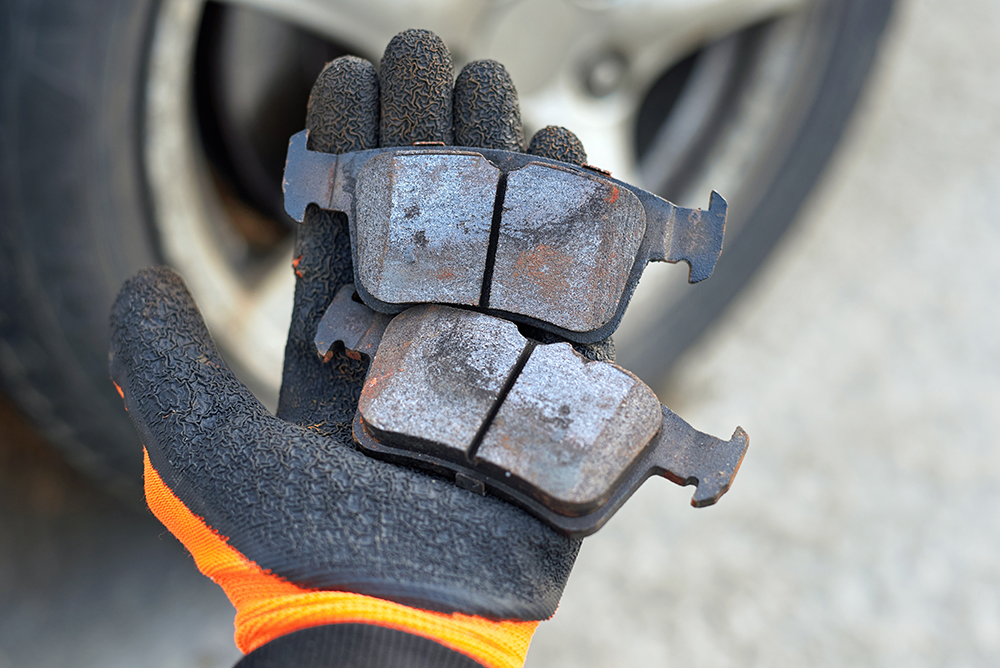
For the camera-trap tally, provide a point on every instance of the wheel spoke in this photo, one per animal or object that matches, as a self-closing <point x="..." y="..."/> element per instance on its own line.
<point x="538" y="40"/>
<point x="259" y="328"/>
<point x="248" y="318"/>
<point x="556" y="49"/>
<point x="366" y="26"/>
<point x="550" y="47"/>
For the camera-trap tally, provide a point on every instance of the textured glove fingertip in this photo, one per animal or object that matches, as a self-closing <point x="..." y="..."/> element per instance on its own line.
<point x="416" y="80"/>
<point x="342" y="115"/>
<point x="152" y="302"/>
<point x="558" y="143"/>
<point x="175" y="384"/>
<point x="487" y="113"/>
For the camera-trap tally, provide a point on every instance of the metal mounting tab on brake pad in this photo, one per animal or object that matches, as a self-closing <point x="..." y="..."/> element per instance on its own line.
<point x="566" y="438"/>
<point x="538" y="241"/>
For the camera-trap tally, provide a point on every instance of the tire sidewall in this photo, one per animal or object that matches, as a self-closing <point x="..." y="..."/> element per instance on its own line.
<point x="75" y="219"/>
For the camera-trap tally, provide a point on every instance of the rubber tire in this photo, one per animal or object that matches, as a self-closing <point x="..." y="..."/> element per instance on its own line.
<point x="75" y="219"/>
<point x="854" y="32"/>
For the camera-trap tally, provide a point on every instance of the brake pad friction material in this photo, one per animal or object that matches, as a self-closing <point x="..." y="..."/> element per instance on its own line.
<point x="437" y="376"/>
<point x="570" y="428"/>
<point x="423" y="226"/>
<point x="566" y="244"/>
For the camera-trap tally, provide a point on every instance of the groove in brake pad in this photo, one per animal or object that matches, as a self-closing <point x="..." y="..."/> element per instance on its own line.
<point x="566" y="438"/>
<point x="538" y="241"/>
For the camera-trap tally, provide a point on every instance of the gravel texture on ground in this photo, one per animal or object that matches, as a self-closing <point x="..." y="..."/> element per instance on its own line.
<point x="864" y="362"/>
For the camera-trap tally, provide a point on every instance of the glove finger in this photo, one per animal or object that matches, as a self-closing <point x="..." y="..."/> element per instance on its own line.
<point x="342" y="115"/>
<point x="174" y="382"/>
<point x="558" y="143"/>
<point x="321" y="394"/>
<point x="487" y="113"/>
<point x="415" y="81"/>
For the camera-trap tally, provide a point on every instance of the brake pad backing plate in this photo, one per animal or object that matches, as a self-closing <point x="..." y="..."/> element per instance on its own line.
<point x="465" y="394"/>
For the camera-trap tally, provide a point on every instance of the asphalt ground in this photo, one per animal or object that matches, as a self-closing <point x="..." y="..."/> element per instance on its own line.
<point x="86" y="581"/>
<point x="864" y="361"/>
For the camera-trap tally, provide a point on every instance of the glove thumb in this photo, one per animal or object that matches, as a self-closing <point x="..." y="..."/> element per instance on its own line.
<point x="303" y="507"/>
<point x="174" y="382"/>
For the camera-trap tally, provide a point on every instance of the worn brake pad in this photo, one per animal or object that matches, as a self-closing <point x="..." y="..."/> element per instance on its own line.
<point x="566" y="438"/>
<point x="537" y="241"/>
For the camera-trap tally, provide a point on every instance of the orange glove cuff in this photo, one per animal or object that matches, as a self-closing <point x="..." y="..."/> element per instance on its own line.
<point x="268" y="606"/>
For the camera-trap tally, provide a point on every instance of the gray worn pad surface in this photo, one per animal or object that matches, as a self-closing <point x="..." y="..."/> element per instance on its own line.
<point x="570" y="427"/>
<point x="424" y="226"/>
<point x="566" y="245"/>
<point x="437" y="374"/>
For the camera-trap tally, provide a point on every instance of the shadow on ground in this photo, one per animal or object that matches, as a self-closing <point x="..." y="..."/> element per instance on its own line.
<point x="86" y="581"/>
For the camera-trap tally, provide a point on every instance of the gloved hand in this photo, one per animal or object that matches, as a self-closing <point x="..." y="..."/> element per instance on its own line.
<point x="330" y="557"/>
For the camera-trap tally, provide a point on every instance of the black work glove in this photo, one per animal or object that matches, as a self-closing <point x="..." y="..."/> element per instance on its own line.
<point x="331" y="557"/>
